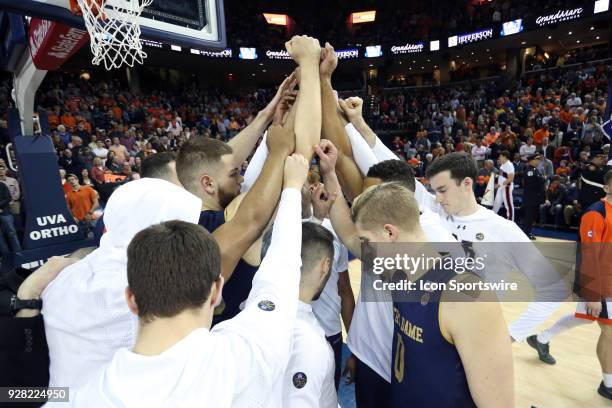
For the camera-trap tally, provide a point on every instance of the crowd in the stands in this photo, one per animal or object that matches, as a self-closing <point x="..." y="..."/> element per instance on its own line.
<point x="558" y="113"/>
<point x="102" y="132"/>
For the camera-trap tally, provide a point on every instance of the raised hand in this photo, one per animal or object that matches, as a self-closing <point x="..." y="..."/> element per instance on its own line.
<point x="280" y="140"/>
<point x="352" y="107"/>
<point x="288" y="84"/>
<point x="304" y="50"/>
<point x="289" y="94"/>
<point x="295" y="172"/>
<point x="328" y="156"/>
<point x="329" y="61"/>
<point x="322" y="201"/>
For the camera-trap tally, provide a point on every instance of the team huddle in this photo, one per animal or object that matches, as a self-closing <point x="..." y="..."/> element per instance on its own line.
<point x="210" y="287"/>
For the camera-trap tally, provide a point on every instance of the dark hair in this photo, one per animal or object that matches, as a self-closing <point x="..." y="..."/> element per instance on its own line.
<point x="171" y="267"/>
<point x="157" y="166"/>
<point x="608" y="177"/>
<point x="197" y="154"/>
<point x="317" y="243"/>
<point x="394" y="170"/>
<point x="505" y="153"/>
<point x="460" y="165"/>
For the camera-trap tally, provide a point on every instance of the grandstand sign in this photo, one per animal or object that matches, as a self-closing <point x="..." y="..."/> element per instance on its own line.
<point x="470" y="38"/>
<point x="278" y="55"/>
<point x="348" y="54"/>
<point x="559" y="16"/>
<point x="408" y="48"/>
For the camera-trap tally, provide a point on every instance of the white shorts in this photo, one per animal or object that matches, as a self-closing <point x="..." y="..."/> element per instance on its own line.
<point x="605" y="316"/>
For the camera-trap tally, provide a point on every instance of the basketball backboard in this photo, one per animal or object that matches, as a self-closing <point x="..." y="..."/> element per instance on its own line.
<point x="188" y="23"/>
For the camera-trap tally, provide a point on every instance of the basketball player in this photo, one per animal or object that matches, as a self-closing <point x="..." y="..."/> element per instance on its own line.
<point x="84" y="309"/>
<point x="452" y="176"/>
<point x="174" y="277"/>
<point x="209" y="169"/>
<point x="595" y="287"/>
<point x="161" y="166"/>
<point x="505" y="186"/>
<point x="370" y="334"/>
<point x="468" y="221"/>
<point x="337" y="299"/>
<point x="308" y="380"/>
<point x="446" y="353"/>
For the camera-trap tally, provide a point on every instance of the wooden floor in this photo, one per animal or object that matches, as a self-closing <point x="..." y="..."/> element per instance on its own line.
<point x="572" y="382"/>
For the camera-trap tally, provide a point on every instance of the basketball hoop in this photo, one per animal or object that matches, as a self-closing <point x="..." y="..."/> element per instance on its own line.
<point x="113" y="30"/>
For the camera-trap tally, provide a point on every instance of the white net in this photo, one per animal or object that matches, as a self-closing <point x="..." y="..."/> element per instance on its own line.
<point x="114" y="31"/>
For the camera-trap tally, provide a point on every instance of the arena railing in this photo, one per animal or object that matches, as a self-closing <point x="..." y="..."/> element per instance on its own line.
<point x="568" y="66"/>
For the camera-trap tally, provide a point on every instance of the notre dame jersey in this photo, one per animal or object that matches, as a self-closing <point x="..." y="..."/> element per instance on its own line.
<point x="236" y="290"/>
<point x="427" y="369"/>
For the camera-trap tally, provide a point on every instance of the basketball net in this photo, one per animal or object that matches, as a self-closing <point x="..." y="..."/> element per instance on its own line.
<point x="113" y="30"/>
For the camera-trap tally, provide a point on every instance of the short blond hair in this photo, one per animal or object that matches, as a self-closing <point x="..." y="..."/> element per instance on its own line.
<point x="387" y="203"/>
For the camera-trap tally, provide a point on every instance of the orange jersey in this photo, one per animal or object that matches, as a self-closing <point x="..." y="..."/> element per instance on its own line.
<point x="596" y="252"/>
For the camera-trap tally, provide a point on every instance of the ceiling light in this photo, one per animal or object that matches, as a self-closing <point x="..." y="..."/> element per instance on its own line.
<point x="597" y="38"/>
<point x="549" y="37"/>
<point x="570" y="33"/>
<point x="577" y="41"/>
<point x="592" y="28"/>
<point x="523" y="42"/>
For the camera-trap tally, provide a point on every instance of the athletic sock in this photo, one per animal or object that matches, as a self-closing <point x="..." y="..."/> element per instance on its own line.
<point x="607" y="379"/>
<point x="565" y="323"/>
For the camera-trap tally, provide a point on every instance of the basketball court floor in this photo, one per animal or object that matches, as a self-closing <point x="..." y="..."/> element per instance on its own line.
<point x="571" y="383"/>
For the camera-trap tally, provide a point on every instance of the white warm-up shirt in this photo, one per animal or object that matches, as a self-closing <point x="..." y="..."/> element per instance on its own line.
<point x="327" y="308"/>
<point x="308" y="381"/>
<point x="84" y="309"/>
<point x="485" y="232"/>
<point x="507" y="168"/>
<point x="238" y="362"/>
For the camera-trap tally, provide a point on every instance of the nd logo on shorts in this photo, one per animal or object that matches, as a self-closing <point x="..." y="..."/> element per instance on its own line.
<point x="266" y="305"/>
<point x="299" y="380"/>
